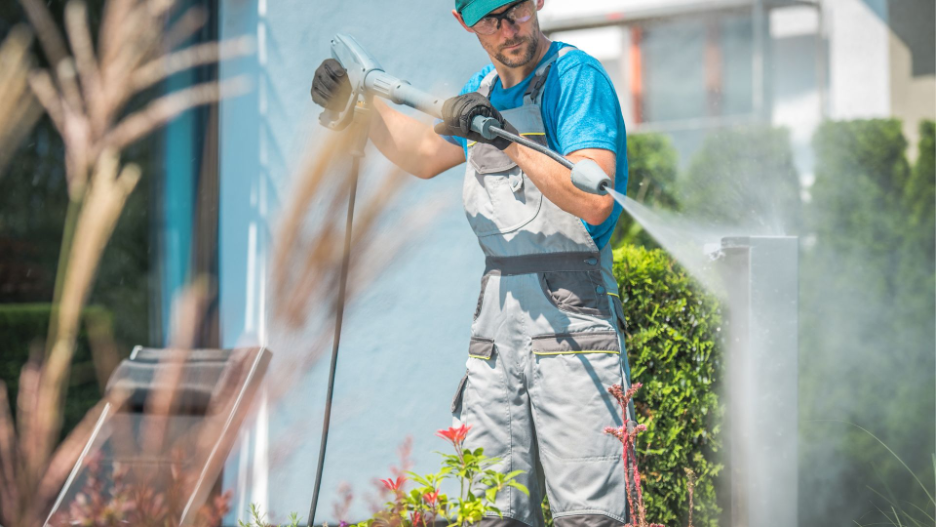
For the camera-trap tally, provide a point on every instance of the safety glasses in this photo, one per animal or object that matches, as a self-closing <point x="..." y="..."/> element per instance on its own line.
<point x="518" y="13"/>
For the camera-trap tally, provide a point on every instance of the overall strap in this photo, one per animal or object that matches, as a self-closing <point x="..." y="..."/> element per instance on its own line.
<point x="539" y="79"/>
<point x="487" y="83"/>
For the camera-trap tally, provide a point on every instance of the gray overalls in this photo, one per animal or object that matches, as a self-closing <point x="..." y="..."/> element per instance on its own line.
<point x="546" y="342"/>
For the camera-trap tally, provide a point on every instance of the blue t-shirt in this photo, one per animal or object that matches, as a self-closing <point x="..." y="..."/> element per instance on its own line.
<point x="580" y="110"/>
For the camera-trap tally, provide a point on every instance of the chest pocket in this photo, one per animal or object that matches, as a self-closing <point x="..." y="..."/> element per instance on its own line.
<point x="498" y="196"/>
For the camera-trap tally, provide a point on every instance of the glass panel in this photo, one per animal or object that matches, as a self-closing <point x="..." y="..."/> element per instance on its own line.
<point x="674" y="70"/>
<point x="736" y="50"/>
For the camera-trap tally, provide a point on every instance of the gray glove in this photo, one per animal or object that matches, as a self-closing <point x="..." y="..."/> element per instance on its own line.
<point x="459" y="111"/>
<point x="330" y="86"/>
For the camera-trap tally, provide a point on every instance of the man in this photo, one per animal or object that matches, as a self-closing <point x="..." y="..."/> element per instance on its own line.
<point x="547" y="338"/>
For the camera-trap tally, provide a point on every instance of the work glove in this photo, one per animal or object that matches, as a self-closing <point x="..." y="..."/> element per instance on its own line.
<point x="458" y="112"/>
<point x="330" y="86"/>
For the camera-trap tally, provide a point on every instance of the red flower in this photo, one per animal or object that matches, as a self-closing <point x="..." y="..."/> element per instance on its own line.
<point x="417" y="519"/>
<point x="456" y="436"/>
<point x="431" y="497"/>
<point x="394" y="485"/>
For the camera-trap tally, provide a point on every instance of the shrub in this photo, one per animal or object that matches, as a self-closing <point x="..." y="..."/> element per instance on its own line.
<point x="920" y="191"/>
<point x="20" y="328"/>
<point x="673" y="350"/>
<point x="744" y="176"/>
<point x="652" y="170"/>
<point x="867" y="321"/>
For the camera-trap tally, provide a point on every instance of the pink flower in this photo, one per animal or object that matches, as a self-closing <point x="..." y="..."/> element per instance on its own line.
<point x="394" y="485"/>
<point x="617" y="432"/>
<point x="454" y="435"/>
<point x="623" y="397"/>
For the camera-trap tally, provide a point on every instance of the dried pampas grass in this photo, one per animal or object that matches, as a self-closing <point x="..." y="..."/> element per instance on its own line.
<point x="18" y="108"/>
<point x="86" y="92"/>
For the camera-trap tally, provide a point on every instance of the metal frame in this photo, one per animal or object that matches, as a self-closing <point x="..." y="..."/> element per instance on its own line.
<point x="761" y="357"/>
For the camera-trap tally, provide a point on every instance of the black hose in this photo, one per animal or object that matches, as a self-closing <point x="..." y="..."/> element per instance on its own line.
<point x="533" y="145"/>
<point x="342" y="285"/>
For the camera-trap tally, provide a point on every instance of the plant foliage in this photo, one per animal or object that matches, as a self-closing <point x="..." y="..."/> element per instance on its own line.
<point x="744" y="176"/>
<point x="19" y="326"/>
<point x="868" y="276"/>
<point x="673" y="349"/>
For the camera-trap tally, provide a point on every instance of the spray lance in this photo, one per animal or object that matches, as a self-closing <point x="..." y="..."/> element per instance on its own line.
<point x="368" y="79"/>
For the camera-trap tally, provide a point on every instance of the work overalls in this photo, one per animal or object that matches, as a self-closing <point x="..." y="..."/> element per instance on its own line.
<point x="546" y="342"/>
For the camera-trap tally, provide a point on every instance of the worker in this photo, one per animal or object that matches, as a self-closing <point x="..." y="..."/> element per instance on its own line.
<point x="547" y="336"/>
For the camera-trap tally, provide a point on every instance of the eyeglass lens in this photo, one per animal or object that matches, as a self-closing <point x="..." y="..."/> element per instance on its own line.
<point x="517" y="14"/>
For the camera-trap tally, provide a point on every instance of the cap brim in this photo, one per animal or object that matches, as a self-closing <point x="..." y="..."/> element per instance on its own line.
<point x="476" y="10"/>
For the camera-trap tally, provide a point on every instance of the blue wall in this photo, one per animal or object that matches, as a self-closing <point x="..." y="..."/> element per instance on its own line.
<point x="405" y="337"/>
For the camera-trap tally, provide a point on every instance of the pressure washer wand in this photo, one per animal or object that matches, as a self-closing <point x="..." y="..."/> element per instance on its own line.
<point x="529" y="144"/>
<point x="368" y="78"/>
<point x="587" y="175"/>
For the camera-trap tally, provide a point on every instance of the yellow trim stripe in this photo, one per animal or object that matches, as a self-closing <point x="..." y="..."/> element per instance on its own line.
<point x="577" y="352"/>
<point x="473" y="143"/>
<point x="479" y="357"/>
<point x="614" y="294"/>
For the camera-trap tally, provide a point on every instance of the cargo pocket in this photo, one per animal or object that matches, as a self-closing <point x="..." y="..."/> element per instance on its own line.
<point x="577" y="343"/>
<point x="579" y="292"/>
<point x="481" y="348"/>
<point x="459" y="394"/>
<point x="498" y="196"/>
<point x="572" y="374"/>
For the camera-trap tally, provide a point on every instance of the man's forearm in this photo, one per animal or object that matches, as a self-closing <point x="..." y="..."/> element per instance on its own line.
<point x="410" y="144"/>
<point x="555" y="181"/>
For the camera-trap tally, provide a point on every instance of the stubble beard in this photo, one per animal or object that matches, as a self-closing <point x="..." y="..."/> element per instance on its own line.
<point x="528" y="47"/>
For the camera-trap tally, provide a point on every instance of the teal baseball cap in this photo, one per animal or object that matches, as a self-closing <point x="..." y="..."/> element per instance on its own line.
<point x="473" y="10"/>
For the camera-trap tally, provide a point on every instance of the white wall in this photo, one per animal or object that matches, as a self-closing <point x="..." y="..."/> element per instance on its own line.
<point x="563" y="9"/>
<point x="405" y="338"/>
<point x="859" y="66"/>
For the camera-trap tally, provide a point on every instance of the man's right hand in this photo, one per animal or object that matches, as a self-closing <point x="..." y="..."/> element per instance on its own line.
<point x="458" y="113"/>
<point x="331" y="87"/>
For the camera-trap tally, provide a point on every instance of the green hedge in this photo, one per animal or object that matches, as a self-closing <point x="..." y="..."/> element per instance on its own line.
<point x="867" y="324"/>
<point x="652" y="166"/>
<point x="673" y="348"/>
<point x="744" y="176"/>
<point x="24" y="327"/>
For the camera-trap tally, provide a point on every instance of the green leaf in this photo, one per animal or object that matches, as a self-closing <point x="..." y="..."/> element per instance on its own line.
<point x="519" y="486"/>
<point x="490" y="494"/>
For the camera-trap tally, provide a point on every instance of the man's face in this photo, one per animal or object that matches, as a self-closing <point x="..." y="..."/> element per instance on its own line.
<point x="513" y="45"/>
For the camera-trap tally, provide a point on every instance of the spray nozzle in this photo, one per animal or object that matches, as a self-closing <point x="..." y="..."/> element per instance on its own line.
<point x="588" y="176"/>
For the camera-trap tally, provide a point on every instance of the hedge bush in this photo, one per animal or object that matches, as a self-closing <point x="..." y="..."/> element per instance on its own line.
<point x="673" y="346"/>
<point x="744" y="176"/>
<point x="23" y="327"/>
<point x="867" y="324"/>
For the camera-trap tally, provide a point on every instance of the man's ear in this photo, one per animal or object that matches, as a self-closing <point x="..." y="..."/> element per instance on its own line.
<point x="540" y="4"/>
<point x="461" y="20"/>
